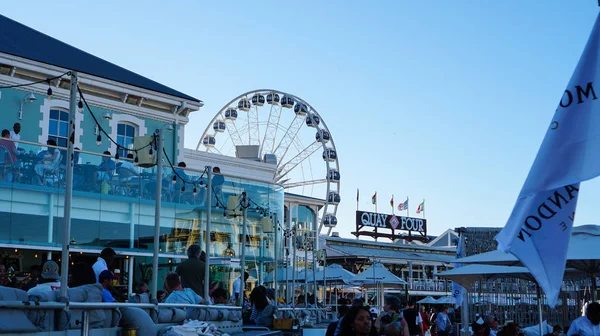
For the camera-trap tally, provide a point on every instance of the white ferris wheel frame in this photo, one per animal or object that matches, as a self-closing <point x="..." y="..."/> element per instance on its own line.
<point x="295" y="127"/>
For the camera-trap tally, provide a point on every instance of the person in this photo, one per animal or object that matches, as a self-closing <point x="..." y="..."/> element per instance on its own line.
<point x="105" y="260"/>
<point x="262" y="311"/>
<point x="105" y="279"/>
<point x="393" y="329"/>
<point x="432" y="317"/>
<point x="588" y="325"/>
<point x="556" y="331"/>
<point x="4" y="281"/>
<point x="442" y="322"/>
<point x="127" y="170"/>
<point x="49" y="162"/>
<point x="10" y="154"/>
<point x="426" y="321"/>
<point x="271" y="296"/>
<point x="15" y="133"/>
<point x="219" y="296"/>
<point x="238" y="286"/>
<point x="49" y="279"/>
<point x="391" y="312"/>
<point x="143" y="288"/>
<point x="510" y="329"/>
<point x="358" y="322"/>
<point x="106" y="168"/>
<point x="333" y="326"/>
<point x="34" y="278"/>
<point x="217" y="185"/>
<point x="412" y="321"/>
<point x="82" y="274"/>
<point x="192" y="270"/>
<point x="180" y="294"/>
<point x="491" y="324"/>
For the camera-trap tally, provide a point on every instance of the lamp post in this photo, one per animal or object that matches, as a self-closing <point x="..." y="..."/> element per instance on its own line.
<point x="243" y="254"/>
<point x="209" y="195"/>
<point x="158" y="196"/>
<point x="64" y="278"/>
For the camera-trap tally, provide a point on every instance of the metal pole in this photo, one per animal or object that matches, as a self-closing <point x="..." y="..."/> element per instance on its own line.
<point x="305" y="269"/>
<point x="209" y="196"/>
<point x="294" y="265"/>
<point x="243" y="256"/>
<point x="157" y="206"/>
<point x="85" y="322"/>
<point x="275" y="260"/>
<point x="315" y="248"/>
<point x="130" y="275"/>
<point x="464" y="310"/>
<point x="64" y="266"/>
<point x="288" y="237"/>
<point x="539" y="304"/>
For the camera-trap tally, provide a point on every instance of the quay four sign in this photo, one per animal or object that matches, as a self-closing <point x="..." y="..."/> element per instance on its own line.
<point x="393" y="222"/>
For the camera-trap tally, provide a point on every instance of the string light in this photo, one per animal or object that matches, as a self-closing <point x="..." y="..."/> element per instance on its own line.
<point x="135" y="161"/>
<point x="183" y="188"/>
<point x="150" y="152"/>
<point x="174" y="179"/>
<point x="99" y="139"/>
<point x="49" y="92"/>
<point x="117" y="157"/>
<point x="80" y="105"/>
<point x="195" y="192"/>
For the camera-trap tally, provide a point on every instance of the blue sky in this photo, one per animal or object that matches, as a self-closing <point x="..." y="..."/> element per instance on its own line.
<point x="442" y="100"/>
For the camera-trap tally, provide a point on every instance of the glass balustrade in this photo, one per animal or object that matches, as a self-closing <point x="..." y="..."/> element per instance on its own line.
<point x="114" y="201"/>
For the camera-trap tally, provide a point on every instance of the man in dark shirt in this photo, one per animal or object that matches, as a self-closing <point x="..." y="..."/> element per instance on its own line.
<point x="191" y="271"/>
<point x="414" y="322"/>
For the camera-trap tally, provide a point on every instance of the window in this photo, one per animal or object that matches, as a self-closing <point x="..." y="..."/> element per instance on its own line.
<point x="59" y="127"/>
<point x="125" y="135"/>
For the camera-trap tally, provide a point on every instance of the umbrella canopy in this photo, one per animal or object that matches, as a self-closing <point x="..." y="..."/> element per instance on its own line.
<point x="281" y="275"/>
<point x="377" y="274"/>
<point x="581" y="254"/>
<point x="446" y="300"/>
<point x="427" y="300"/>
<point x="334" y="274"/>
<point x="467" y="275"/>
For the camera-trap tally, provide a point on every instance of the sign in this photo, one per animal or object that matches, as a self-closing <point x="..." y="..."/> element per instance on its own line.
<point x="392" y="222"/>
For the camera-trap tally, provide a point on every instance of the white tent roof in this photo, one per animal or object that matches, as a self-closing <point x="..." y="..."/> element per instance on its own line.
<point x="334" y="274"/>
<point x="582" y="253"/>
<point x="446" y="300"/>
<point x="467" y="275"/>
<point x="377" y="274"/>
<point x="427" y="300"/>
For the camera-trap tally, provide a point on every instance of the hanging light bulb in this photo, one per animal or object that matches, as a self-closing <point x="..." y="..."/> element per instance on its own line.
<point x="117" y="157"/>
<point x="49" y="92"/>
<point x="80" y="105"/>
<point x="174" y="179"/>
<point x="99" y="139"/>
<point x="150" y="152"/>
<point x="201" y="184"/>
<point x="195" y="192"/>
<point x="183" y="188"/>
<point x="135" y="161"/>
<point x="225" y="213"/>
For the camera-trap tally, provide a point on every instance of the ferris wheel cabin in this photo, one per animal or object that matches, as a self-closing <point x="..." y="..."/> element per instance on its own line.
<point x="219" y="126"/>
<point x="312" y="120"/>
<point x="333" y="175"/>
<point x="273" y="98"/>
<point x="300" y="109"/>
<point x="258" y="99"/>
<point x="287" y="101"/>
<point x="334" y="197"/>
<point x="329" y="155"/>
<point x="209" y="141"/>
<point x="231" y="114"/>
<point x="323" y="136"/>
<point x="330" y="220"/>
<point x="244" y="105"/>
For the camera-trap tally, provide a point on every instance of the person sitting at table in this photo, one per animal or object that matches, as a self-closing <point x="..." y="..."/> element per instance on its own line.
<point x="130" y="169"/>
<point x="9" y="150"/>
<point x="106" y="168"/>
<point x="49" y="162"/>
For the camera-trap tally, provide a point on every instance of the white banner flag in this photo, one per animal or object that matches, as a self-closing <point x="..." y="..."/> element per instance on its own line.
<point x="539" y="228"/>
<point x="458" y="291"/>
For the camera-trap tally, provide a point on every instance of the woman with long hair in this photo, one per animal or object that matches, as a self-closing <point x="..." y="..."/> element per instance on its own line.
<point x="358" y="322"/>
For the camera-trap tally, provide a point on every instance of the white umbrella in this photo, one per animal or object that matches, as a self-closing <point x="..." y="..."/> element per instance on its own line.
<point x="427" y="300"/>
<point x="334" y="275"/>
<point x="377" y="274"/>
<point x="446" y="300"/>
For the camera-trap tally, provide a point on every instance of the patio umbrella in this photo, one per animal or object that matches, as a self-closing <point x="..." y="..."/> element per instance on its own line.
<point x="582" y="254"/>
<point x="446" y="300"/>
<point x="333" y="275"/>
<point x="427" y="300"/>
<point x="377" y="274"/>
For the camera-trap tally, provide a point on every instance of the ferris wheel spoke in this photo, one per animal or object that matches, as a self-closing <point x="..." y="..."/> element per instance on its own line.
<point x="304" y="183"/>
<point x="288" y="138"/>
<point x="268" y="143"/>
<point x="253" y="127"/>
<point x="233" y="132"/>
<point x="299" y="158"/>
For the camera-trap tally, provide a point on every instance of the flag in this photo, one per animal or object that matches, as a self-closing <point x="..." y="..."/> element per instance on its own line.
<point x="403" y="206"/>
<point x="421" y="207"/>
<point x="392" y="202"/>
<point x="539" y="227"/>
<point x="458" y="290"/>
<point x="374" y="198"/>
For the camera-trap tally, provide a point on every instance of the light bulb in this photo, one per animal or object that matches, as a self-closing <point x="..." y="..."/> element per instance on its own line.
<point x="99" y="139"/>
<point x="183" y="188"/>
<point x="174" y="179"/>
<point x="49" y="92"/>
<point x="195" y="192"/>
<point x="80" y="105"/>
<point x="150" y="152"/>
<point x="117" y="157"/>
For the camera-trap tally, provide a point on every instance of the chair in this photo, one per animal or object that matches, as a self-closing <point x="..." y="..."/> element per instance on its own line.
<point x="52" y="175"/>
<point x="123" y="182"/>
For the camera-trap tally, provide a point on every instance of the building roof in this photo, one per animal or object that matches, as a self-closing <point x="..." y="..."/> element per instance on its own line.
<point x="22" y="41"/>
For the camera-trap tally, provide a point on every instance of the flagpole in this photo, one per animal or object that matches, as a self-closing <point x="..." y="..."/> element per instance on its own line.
<point x="423" y="211"/>
<point x="357" y="197"/>
<point x="407" y="212"/>
<point x="392" y="204"/>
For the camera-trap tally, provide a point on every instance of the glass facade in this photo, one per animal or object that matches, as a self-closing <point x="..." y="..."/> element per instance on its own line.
<point x="113" y="206"/>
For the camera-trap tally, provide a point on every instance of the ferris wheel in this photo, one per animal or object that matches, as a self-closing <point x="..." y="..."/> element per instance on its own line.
<point x="284" y="130"/>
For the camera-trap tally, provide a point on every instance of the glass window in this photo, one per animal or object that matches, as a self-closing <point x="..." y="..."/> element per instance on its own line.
<point x="125" y="135"/>
<point x="58" y="128"/>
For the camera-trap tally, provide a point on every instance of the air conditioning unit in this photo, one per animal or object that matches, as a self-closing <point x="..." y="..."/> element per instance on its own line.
<point x="145" y="160"/>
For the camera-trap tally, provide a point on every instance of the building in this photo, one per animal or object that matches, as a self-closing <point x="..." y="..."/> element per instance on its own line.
<point x="113" y="204"/>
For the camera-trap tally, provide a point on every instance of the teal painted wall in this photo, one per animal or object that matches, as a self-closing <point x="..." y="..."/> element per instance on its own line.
<point x="10" y="102"/>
